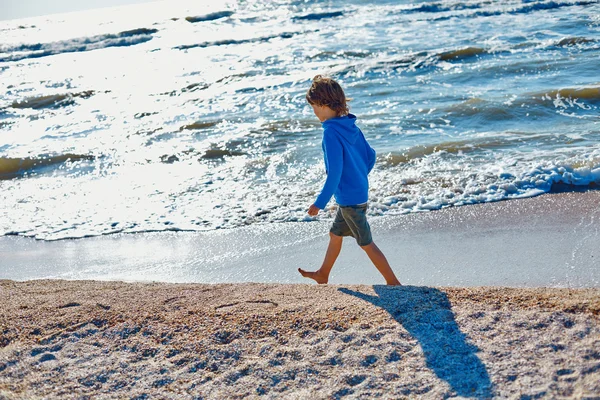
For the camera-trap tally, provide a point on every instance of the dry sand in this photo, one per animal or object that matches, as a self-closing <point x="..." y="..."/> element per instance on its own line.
<point x="87" y="339"/>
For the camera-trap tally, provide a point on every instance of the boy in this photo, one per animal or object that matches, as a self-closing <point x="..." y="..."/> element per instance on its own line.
<point x="348" y="161"/>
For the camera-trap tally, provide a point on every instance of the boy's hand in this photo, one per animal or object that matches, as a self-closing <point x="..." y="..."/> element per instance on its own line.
<point x="313" y="210"/>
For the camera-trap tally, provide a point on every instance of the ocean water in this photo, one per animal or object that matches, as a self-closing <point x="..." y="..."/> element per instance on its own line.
<point x="187" y="116"/>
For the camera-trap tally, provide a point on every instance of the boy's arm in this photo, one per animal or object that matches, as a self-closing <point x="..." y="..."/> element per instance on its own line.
<point x="372" y="156"/>
<point x="335" y="162"/>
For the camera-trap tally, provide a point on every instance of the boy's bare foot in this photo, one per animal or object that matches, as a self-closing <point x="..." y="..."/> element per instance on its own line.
<point x="313" y="275"/>
<point x="397" y="283"/>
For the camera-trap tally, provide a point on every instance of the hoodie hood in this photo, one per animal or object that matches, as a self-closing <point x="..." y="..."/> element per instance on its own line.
<point x="344" y="126"/>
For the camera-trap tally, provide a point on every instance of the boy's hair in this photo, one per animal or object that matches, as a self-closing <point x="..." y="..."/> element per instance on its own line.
<point x="327" y="92"/>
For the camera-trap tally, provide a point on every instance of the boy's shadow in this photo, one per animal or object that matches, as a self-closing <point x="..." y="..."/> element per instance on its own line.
<point x="426" y="314"/>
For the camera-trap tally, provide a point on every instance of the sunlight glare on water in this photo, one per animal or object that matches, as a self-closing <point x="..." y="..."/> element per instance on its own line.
<point x="191" y="115"/>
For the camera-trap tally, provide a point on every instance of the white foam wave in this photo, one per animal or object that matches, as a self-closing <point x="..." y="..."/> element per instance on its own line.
<point x="429" y="184"/>
<point x="226" y="197"/>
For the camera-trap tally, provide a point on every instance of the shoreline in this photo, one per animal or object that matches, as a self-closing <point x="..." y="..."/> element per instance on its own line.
<point x="71" y="339"/>
<point x="559" y="189"/>
<point x="548" y="240"/>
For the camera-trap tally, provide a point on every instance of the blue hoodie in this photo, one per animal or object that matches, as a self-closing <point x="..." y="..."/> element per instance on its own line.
<point x="348" y="161"/>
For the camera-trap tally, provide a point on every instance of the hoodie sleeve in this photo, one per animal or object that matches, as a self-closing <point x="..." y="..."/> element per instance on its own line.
<point x="372" y="156"/>
<point x="334" y="161"/>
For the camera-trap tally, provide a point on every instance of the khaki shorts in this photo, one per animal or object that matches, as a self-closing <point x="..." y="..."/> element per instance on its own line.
<point x="352" y="221"/>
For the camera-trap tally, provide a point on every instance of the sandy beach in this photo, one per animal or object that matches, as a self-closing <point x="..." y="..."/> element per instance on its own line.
<point x="85" y="339"/>
<point x="500" y="300"/>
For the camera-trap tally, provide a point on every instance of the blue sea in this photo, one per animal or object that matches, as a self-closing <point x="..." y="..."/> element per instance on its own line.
<point x="185" y="116"/>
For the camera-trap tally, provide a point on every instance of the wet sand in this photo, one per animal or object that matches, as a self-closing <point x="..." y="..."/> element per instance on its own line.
<point x="86" y="339"/>
<point x="550" y="240"/>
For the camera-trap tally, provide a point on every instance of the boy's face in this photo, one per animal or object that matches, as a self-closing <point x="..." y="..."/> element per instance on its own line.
<point x="323" y="112"/>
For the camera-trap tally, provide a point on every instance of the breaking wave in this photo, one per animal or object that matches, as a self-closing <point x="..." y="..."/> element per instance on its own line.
<point x="525" y="9"/>
<point x="226" y="42"/>
<point x="466" y="146"/>
<point x="318" y="16"/>
<point x="586" y="93"/>
<point x="37" y="50"/>
<point x="210" y="17"/>
<point x="462" y="53"/>
<point x="573" y="41"/>
<point x="551" y="5"/>
<point x="17" y="167"/>
<point x="438" y="7"/>
<point x="543" y="103"/>
<point x="199" y="125"/>
<point x="51" y="101"/>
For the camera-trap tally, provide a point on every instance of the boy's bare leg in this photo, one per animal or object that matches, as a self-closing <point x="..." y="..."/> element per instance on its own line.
<point x="321" y="276"/>
<point x="381" y="263"/>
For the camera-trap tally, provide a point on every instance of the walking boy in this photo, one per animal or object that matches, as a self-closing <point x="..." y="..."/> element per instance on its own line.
<point x="348" y="161"/>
